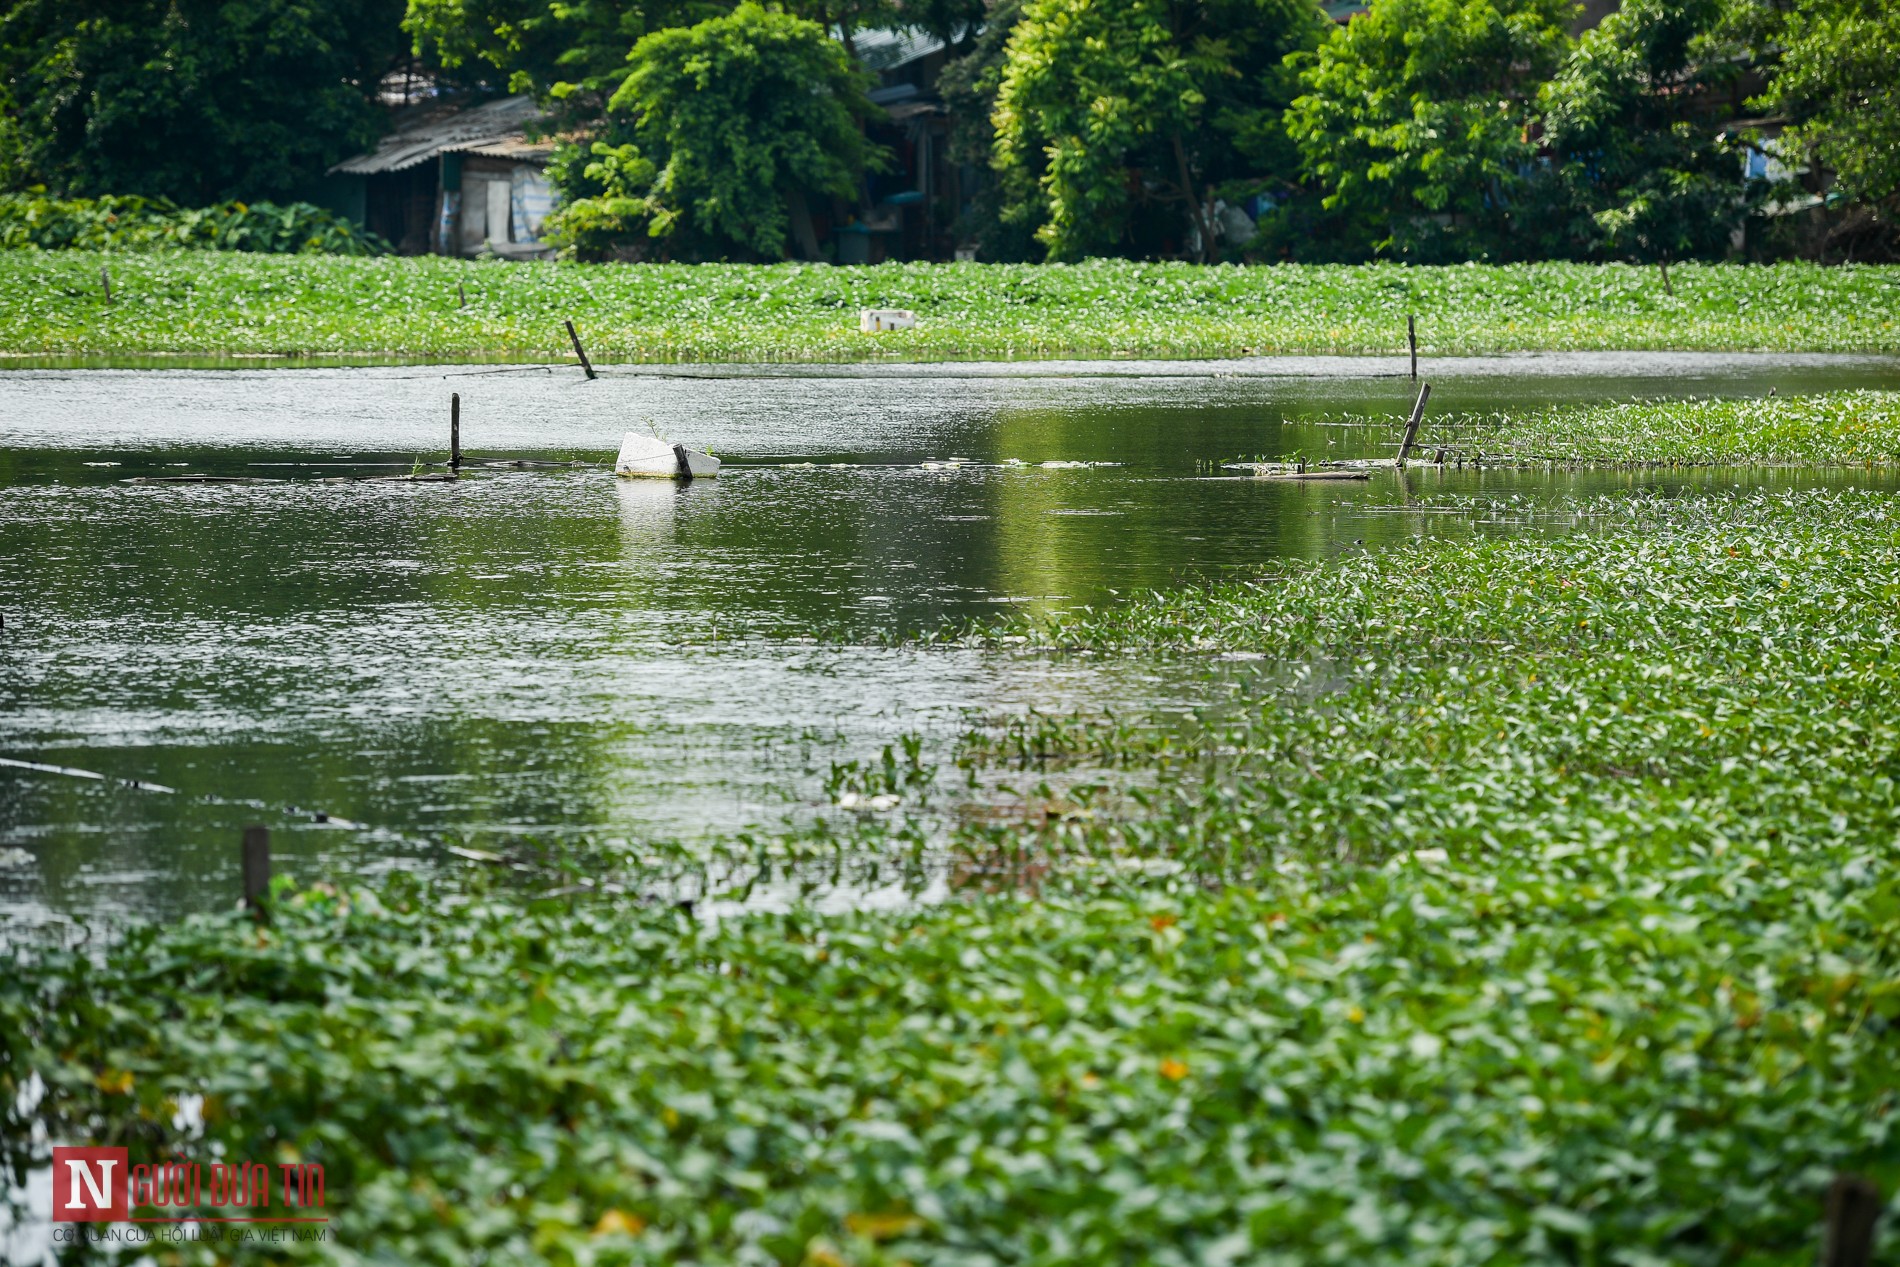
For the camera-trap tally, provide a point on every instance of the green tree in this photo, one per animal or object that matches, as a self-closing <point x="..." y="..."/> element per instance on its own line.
<point x="574" y="51"/>
<point x="730" y="123"/>
<point x="1840" y="81"/>
<point x="1635" y="120"/>
<point x="1415" y="121"/>
<point x="969" y="84"/>
<point x="1115" y="120"/>
<point x="197" y="101"/>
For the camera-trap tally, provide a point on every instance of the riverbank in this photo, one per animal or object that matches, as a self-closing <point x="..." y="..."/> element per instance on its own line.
<point x="440" y="310"/>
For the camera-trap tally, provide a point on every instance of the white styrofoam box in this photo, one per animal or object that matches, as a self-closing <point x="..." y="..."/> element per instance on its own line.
<point x="871" y="320"/>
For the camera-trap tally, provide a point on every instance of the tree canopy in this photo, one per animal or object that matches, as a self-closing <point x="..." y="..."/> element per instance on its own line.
<point x="1628" y="116"/>
<point x="555" y="51"/>
<point x="1424" y="130"/>
<point x="1840" y="77"/>
<point x="731" y="122"/>
<point x="1106" y="112"/>
<point x="1414" y="119"/>
<point x="196" y="101"/>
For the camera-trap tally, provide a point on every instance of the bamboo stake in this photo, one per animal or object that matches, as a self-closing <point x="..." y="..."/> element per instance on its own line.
<point x="1411" y="428"/>
<point x="581" y="352"/>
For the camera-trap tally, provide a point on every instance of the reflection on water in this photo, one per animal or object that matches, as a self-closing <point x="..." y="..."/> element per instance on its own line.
<point x="553" y="651"/>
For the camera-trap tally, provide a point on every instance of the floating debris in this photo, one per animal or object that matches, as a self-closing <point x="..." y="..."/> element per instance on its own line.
<point x="883" y="801"/>
<point x="1289" y="471"/>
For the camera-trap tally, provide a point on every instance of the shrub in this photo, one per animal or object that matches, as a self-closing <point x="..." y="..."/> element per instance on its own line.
<point x="38" y="222"/>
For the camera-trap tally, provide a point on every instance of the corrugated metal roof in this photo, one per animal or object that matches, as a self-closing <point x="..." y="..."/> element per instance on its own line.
<point x="887" y="50"/>
<point x="497" y="129"/>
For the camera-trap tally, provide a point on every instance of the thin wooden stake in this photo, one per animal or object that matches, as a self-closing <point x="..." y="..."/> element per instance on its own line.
<point x="1411" y="428"/>
<point x="580" y="351"/>
<point x="1411" y="337"/>
<point x="1853" y="1207"/>
<point x="461" y="295"/>
<point x="105" y="280"/>
<point x="256" y="866"/>
<point x="455" y="431"/>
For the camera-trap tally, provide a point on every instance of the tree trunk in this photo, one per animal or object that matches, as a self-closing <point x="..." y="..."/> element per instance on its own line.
<point x="802" y="230"/>
<point x="1195" y="208"/>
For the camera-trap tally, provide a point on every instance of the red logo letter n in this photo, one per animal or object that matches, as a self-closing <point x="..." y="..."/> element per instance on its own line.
<point x="89" y="1185"/>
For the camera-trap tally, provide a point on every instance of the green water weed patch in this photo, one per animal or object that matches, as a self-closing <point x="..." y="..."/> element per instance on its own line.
<point x="1689" y="672"/>
<point x="1530" y="900"/>
<point x="1580" y="1057"/>
<point x="1857" y="428"/>
<point x="439" y="309"/>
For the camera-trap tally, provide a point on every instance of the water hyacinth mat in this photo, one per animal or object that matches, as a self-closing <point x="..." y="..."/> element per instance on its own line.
<point x="228" y="304"/>
<point x="1538" y="906"/>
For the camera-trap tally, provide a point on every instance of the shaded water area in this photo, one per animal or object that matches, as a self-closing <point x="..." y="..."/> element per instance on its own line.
<point x="549" y="652"/>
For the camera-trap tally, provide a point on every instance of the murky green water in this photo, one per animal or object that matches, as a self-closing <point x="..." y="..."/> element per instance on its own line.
<point x="551" y="651"/>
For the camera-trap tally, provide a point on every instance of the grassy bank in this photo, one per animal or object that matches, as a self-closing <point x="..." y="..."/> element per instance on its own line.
<point x="1532" y="901"/>
<point x="454" y="310"/>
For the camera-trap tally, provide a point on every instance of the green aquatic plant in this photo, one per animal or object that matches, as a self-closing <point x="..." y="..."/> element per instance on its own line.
<point x="1528" y="900"/>
<point x="439" y="309"/>
<point x="1676" y="671"/>
<point x="1856" y="428"/>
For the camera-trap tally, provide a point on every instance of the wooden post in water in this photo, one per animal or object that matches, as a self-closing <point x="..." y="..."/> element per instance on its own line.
<point x="105" y="280"/>
<point x="1411" y="338"/>
<point x="1853" y="1207"/>
<point x="1411" y="427"/>
<point x="580" y="351"/>
<point x="455" y="432"/>
<point x="256" y="866"/>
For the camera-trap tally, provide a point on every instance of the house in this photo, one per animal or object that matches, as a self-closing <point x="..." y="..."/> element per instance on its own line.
<point x="453" y="180"/>
<point x="910" y="211"/>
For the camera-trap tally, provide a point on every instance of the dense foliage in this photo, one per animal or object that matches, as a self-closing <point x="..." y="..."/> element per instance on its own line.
<point x="1414" y="123"/>
<point x="1424" y="130"/>
<point x="1536" y="903"/>
<point x="31" y="221"/>
<point x="198" y="101"/>
<point x="1625" y="117"/>
<point x="1840" y="81"/>
<point x="443" y="309"/>
<point x="732" y="121"/>
<point x="577" y="53"/>
<point x="573" y="55"/>
<point x="1109" y="113"/>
